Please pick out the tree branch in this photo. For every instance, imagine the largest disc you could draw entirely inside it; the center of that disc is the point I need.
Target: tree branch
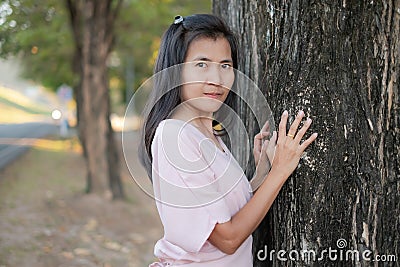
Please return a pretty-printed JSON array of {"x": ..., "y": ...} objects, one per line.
[
  {"x": 114, "y": 13},
  {"x": 75, "y": 17},
  {"x": 111, "y": 17}
]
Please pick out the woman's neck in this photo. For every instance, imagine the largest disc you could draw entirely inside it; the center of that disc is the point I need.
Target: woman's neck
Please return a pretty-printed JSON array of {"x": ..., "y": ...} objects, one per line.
[{"x": 201, "y": 121}]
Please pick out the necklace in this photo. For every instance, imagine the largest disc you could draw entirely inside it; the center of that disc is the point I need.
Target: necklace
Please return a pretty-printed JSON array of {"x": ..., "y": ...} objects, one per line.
[{"x": 210, "y": 136}]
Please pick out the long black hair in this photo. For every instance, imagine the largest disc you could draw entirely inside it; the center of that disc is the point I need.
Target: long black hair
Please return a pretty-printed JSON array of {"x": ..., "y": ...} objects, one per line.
[{"x": 173, "y": 48}]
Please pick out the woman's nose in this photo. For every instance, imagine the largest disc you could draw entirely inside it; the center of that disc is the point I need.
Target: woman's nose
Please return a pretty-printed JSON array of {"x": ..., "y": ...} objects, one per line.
[{"x": 215, "y": 75}]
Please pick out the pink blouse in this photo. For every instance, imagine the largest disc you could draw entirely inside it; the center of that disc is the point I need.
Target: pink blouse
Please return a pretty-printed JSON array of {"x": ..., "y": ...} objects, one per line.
[{"x": 196, "y": 185}]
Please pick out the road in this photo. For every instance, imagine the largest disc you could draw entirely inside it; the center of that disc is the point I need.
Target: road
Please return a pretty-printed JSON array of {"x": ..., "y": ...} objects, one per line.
[{"x": 15, "y": 139}]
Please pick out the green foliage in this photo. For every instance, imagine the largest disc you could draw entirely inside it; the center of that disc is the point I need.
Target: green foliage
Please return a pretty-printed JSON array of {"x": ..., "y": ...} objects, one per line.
[
  {"x": 41, "y": 38},
  {"x": 39, "y": 33}
]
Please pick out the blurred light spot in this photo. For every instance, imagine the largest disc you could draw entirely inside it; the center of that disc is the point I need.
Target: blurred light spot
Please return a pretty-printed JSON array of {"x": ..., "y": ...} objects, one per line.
[
  {"x": 56, "y": 114},
  {"x": 34, "y": 50},
  {"x": 12, "y": 23}
]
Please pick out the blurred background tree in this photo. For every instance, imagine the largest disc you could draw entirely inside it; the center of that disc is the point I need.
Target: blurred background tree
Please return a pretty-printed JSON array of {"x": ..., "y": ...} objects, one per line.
[{"x": 72, "y": 42}]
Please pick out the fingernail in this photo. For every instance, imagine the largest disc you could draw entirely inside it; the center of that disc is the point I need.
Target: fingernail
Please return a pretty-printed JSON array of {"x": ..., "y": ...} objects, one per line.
[
  {"x": 300, "y": 113},
  {"x": 285, "y": 113},
  {"x": 315, "y": 134},
  {"x": 309, "y": 121}
]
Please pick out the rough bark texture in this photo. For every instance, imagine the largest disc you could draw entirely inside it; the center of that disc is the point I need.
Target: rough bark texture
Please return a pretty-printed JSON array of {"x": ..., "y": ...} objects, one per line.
[
  {"x": 339, "y": 62},
  {"x": 92, "y": 25}
]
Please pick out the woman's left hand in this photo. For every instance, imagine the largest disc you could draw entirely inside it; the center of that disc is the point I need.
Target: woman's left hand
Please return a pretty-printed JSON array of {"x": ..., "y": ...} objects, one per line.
[
  {"x": 259, "y": 142},
  {"x": 264, "y": 152}
]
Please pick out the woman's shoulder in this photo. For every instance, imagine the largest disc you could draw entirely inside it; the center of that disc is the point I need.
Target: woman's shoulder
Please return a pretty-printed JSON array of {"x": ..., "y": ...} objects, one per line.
[
  {"x": 175, "y": 128},
  {"x": 173, "y": 131},
  {"x": 175, "y": 139}
]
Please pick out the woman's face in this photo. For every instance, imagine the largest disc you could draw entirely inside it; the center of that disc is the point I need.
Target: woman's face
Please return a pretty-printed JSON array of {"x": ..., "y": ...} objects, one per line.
[{"x": 207, "y": 75}]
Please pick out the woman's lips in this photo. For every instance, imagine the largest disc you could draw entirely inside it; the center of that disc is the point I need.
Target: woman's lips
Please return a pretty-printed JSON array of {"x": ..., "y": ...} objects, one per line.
[{"x": 212, "y": 95}]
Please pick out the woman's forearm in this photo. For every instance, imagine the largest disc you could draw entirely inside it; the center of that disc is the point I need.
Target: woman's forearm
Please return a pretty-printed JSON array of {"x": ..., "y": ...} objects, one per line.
[{"x": 230, "y": 235}]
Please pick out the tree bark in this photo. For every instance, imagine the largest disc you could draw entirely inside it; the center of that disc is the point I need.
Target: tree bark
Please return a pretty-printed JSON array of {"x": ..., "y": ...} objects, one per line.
[
  {"x": 339, "y": 62},
  {"x": 92, "y": 27}
]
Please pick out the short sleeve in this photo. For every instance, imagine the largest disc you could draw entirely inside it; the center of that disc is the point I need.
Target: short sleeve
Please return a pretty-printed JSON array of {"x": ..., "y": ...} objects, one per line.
[{"x": 189, "y": 198}]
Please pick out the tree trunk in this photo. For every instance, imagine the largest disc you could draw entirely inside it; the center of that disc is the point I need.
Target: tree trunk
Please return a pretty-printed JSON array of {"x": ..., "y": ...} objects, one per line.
[
  {"x": 339, "y": 62},
  {"x": 92, "y": 23}
]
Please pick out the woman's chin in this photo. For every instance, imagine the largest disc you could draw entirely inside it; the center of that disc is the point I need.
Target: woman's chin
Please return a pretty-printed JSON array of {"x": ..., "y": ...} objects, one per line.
[
  {"x": 206, "y": 104},
  {"x": 212, "y": 105}
]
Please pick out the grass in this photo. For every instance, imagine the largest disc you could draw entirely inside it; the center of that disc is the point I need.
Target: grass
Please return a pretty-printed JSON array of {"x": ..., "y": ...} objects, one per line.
[
  {"x": 44, "y": 169},
  {"x": 20, "y": 101},
  {"x": 28, "y": 108},
  {"x": 36, "y": 178},
  {"x": 16, "y": 107},
  {"x": 9, "y": 114}
]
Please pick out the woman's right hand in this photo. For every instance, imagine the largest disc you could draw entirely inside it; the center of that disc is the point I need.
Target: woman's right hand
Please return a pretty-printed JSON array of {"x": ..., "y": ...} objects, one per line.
[{"x": 289, "y": 147}]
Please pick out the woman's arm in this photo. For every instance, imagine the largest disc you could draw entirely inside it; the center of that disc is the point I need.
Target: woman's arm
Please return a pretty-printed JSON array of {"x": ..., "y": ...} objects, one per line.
[{"x": 230, "y": 235}]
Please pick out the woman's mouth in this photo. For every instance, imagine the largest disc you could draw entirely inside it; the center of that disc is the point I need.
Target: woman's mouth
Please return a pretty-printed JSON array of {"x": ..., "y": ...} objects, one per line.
[{"x": 213, "y": 95}]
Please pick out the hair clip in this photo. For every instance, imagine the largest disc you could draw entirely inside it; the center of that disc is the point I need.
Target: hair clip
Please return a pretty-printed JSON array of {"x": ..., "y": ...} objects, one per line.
[{"x": 178, "y": 19}]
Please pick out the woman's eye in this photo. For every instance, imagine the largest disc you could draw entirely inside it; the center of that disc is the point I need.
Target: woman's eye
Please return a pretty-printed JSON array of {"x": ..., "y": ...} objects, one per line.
[
  {"x": 226, "y": 66},
  {"x": 201, "y": 65}
]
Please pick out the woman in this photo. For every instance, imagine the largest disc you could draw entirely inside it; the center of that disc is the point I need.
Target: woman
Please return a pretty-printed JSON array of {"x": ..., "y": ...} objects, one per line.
[{"x": 204, "y": 200}]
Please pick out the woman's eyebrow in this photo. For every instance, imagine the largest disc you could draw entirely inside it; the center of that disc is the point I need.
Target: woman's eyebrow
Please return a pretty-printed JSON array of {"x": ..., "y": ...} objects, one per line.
[
  {"x": 227, "y": 61},
  {"x": 201, "y": 58}
]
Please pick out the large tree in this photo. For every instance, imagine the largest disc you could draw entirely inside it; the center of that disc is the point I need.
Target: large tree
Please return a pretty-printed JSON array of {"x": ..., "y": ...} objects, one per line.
[
  {"x": 92, "y": 25},
  {"x": 339, "y": 61}
]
